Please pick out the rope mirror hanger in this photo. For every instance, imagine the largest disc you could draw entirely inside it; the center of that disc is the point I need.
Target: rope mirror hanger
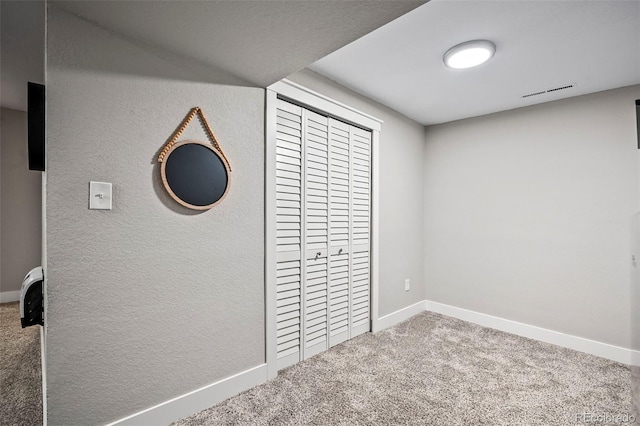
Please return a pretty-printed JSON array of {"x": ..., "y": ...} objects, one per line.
[{"x": 195, "y": 173}]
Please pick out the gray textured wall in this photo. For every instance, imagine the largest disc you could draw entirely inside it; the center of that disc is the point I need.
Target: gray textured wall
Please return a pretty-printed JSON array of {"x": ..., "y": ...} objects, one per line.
[
  {"x": 529, "y": 214},
  {"x": 150, "y": 300},
  {"x": 22, "y": 50},
  {"x": 20, "y": 214},
  {"x": 401, "y": 194},
  {"x": 634, "y": 300}
]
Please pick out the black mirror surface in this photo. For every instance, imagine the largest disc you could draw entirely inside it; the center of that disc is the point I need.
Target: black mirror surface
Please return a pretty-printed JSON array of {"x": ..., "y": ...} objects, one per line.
[{"x": 195, "y": 175}]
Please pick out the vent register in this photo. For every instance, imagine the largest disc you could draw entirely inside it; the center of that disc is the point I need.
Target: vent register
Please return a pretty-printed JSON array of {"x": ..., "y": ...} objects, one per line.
[{"x": 555, "y": 89}]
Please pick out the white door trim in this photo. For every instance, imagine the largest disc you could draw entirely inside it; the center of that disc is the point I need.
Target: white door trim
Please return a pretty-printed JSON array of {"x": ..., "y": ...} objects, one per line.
[
  {"x": 315, "y": 101},
  {"x": 301, "y": 95},
  {"x": 270, "y": 293},
  {"x": 375, "y": 228}
]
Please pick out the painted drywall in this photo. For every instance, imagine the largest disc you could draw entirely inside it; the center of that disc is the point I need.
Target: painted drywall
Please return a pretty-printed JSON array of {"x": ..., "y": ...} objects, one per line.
[
  {"x": 528, "y": 214},
  {"x": 634, "y": 300},
  {"x": 1, "y": 138},
  {"x": 149, "y": 300},
  {"x": 257, "y": 40},
  {"x": 20, "y": 211},
  {"x": 21, "y": 50},
  {"x": 400, "y": 192},
  {"x": 1, "y": 296}
]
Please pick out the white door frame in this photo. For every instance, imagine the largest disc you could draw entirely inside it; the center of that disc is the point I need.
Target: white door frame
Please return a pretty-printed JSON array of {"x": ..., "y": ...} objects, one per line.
[{"x": 315, "y": 101}]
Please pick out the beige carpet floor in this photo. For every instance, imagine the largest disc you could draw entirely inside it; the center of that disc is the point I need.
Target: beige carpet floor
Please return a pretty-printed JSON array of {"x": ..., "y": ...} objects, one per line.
[
  {"x": 430, "y": 370},
  {"x": 435, "y": 370},
  {"x": 20, "y": 370}
]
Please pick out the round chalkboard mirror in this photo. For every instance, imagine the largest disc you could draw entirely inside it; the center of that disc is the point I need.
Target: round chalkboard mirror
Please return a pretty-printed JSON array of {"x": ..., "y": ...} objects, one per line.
[{"x": 195, "y": 174}]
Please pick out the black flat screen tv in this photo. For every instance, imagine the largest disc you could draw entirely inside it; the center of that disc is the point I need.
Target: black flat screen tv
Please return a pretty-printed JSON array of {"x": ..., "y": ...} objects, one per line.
[
  {"x": 638, "y": 120},
  {"x": 35, "y": 125}
]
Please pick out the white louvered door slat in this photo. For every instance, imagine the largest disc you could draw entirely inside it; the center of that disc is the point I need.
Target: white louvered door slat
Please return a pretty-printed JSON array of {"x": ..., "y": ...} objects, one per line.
[
  {"x": 360, "y": 143},
  {"x": 316, "y": 210},
  {"x": 323, "y": 217},
  {"x": 340, "y": 235},
  {"x": 289, "y": 233}
]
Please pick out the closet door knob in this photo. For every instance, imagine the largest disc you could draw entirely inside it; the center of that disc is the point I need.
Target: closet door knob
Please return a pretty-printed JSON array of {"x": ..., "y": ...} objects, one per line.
[{"x": 340, "y": 251}]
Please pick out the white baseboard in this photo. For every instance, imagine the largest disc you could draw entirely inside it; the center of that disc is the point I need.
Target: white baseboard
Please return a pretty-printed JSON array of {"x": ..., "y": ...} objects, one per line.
[
  {"x": 398, "y": 316},
  {"x": 9, "y": 296},
  {"x": 197, "y": 400},
  {"x": 580, "y": 344},
  {"x": 207, "y": 396}
]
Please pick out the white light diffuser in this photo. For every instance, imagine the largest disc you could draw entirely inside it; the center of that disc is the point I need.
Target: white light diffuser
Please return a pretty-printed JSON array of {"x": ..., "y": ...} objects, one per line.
[{"x": 469, "y": 54}]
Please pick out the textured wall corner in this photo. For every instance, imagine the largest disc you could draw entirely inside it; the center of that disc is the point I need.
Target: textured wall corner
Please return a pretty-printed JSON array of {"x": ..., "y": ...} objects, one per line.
[{"x": 150, "y": 300}]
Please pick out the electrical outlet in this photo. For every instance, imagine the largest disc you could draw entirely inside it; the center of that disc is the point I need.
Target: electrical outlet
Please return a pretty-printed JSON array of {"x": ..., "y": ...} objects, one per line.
[{"x": 407, "y": 284}]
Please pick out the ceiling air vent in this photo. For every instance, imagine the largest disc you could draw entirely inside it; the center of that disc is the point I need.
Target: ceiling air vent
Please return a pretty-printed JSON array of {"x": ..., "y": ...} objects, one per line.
[
  {"x": 560, "y": 88},
  {"x": 555, "y": 89},
  {"x": 534, "y": 94}
]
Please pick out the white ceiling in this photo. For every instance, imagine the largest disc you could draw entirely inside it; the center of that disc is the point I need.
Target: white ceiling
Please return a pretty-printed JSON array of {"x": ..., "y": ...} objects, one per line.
[
  {"x": 259, "y": 41},
  {"x": 540, "y": 45}
]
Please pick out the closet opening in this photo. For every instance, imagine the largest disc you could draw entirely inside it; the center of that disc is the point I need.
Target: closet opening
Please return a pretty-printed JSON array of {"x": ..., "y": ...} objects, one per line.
[{"x": 321, "y": 221}]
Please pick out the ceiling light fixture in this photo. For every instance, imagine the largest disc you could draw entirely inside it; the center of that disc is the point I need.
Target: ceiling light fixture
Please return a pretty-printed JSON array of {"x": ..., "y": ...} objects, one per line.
[{"x": 469, "y": 54}]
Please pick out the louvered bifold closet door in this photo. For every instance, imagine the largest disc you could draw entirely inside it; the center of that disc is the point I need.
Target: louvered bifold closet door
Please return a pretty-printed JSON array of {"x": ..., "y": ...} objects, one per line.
[
  {"x": 361, "y": 226},
  {"x": 289, "y": 233},
  {"x": 316, "y": 217},
  {"x": 339, "y": 218}
]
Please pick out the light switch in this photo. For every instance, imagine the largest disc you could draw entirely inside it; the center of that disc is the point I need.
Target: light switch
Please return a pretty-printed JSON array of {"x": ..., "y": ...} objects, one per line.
[{"x": 99, "y": 196}]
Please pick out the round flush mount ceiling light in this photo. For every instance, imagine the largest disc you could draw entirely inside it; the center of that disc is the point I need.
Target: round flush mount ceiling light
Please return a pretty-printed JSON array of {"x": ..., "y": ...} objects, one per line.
[{"x": 469, "y": 54}]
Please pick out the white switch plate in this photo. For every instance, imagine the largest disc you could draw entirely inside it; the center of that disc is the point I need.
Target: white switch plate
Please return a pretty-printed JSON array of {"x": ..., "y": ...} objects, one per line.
[
  {"x": 100, "y": 196},
  {"x": 407, "y": 284}
]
